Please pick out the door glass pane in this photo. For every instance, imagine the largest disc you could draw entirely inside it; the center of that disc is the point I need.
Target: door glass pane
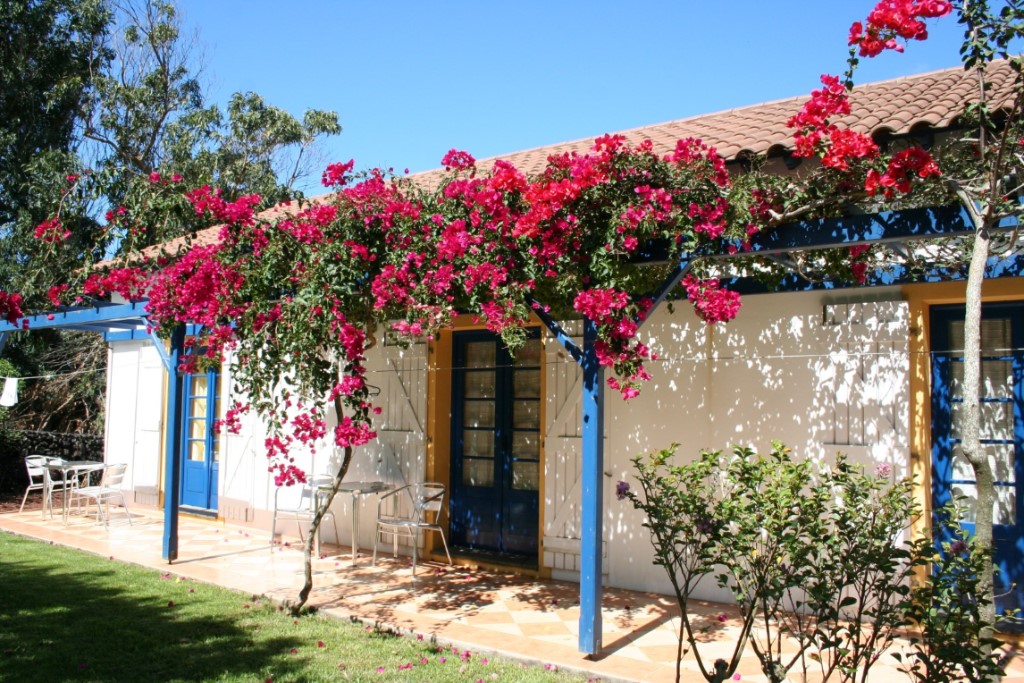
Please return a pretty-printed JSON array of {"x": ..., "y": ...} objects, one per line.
[
  {"x": 525, "y": 445},
  {"x": 996, "y": 421},
  {"x": 529, "y": 354},
  {"x": 1000, "y": 459},
  {"x": 480, "y": 384},
  {"x": 216, "y": 412},
  {"x": 197, "y": 429},
  {"x": 526, "y": 415},
  {"x": 479, "y": 413},
  {"x": 995, "y": 335},
  {"x": 197, "y": 451},
  {"x": 996, "y": 379},
  {"x": 198, "y": 408},
  {"x": 199, "y": 385},
  {"x": 478, "y": 472},
  {"x": 525, "y": 476},
  {"x": 478, "y": 443},
  {"x": 1004, "y": 509},
  {"x": 527, "y": 384},
  {"x": 481, "y": 354}
]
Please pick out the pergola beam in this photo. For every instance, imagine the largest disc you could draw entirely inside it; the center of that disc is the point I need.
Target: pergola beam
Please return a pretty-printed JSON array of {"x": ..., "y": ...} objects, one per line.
[
  {"x": 879, "y": 228},
  {"x": 96, "y": 318}
]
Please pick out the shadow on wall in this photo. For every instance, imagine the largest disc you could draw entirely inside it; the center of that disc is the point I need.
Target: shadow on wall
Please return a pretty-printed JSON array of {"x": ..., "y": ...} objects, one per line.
[{"x": 819, "y": 373}]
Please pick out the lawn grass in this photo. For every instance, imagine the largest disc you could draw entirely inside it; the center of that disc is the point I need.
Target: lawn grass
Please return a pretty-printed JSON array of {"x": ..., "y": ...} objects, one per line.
[{"x": 67, "y": 615}]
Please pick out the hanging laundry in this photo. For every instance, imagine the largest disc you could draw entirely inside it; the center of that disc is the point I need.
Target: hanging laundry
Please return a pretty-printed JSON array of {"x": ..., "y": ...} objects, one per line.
[{"x": 10, "y": 394}]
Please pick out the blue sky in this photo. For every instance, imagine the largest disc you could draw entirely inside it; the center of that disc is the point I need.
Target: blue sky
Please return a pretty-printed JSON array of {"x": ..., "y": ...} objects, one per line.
[{"x": 411, "y": 80}]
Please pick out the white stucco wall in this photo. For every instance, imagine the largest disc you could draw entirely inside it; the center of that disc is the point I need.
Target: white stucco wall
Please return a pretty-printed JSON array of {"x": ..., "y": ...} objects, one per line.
[{"x": 821, "y": 372}]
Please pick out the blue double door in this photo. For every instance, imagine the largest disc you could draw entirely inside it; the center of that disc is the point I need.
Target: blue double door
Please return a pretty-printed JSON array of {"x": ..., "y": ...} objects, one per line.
[
  {"x": 496, "y": 442},
  {"x": 1002, "y": 430},
  {"x": 200, "y": 459}
]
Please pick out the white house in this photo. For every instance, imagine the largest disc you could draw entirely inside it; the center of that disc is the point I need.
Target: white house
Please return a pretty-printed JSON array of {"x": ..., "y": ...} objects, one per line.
[{"x": 823, "y": 370}]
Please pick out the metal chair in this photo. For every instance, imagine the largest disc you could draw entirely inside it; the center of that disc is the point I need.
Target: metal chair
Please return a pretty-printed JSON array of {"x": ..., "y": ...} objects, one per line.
[
  {"x": 303, "y": 509},
  {"x": 108, "y": 489},
  {"x": 394, "y": 518},
  {"x": 39, "y": 480}
]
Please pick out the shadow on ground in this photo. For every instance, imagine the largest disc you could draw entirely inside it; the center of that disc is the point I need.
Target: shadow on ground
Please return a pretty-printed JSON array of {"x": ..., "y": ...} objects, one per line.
[{"x": 63, "y": 620}]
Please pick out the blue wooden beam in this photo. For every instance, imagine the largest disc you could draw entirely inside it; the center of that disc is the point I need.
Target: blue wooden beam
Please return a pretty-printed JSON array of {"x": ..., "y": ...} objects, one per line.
[
  {"x": 172, "y": 454},
  {"x": 592, "y": 495},
  {"x": 997, "y": 267},
  {"x": 3, "y": 341},
  {"x": 171, "y": 366},
  {"x": 876, "y": 228},
  {"x": 561, "y": 335},
  {"x": 140, "y": 334},
  {"x": 95, "y": 317},
  {"x": 670, "y": 283}
]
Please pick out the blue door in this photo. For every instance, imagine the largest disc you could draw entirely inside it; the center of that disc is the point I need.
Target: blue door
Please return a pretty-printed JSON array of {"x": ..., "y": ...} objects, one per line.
[
  {"x": 495, "y": 445},
  {"x": 200, "y": 441},
  {"x": 1002, "y": 429}
]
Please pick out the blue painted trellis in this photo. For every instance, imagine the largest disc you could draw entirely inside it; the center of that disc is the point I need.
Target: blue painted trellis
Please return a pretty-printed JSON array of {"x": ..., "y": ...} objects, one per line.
[
  {"x": 122, "y": 322},
  {"x": 892, "y": 228},
  {"x": 119, "y": 322}
]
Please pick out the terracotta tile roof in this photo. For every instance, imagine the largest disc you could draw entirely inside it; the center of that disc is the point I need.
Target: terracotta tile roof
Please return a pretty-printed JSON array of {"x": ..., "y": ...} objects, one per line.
[{"x": 895, "y": 107}]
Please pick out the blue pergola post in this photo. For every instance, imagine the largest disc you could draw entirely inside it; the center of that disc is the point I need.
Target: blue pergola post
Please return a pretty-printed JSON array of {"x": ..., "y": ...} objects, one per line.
[
  {"x": 172, "y": 456},
  {"x": 592, "y": 494}
]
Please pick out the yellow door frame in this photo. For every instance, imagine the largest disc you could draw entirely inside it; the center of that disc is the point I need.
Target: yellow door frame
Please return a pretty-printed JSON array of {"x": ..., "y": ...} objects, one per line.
[{"x": 439, "y": 401}]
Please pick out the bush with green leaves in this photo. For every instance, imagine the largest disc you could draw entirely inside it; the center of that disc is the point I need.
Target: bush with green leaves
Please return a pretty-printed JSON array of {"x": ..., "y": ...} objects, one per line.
[
  {"x": 815, "y": 558},
  {"x": 950, "y": 640}
]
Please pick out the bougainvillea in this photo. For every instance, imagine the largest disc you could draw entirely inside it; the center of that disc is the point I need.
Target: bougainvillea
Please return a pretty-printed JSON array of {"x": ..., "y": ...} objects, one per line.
[
  {"x": 900, "y": 172},
  {"x": 10, "y": 307},
  {"x": 51, "y": 230},
  {"x": 296, "y": 294},
  {"x": 892, "y": 20}
]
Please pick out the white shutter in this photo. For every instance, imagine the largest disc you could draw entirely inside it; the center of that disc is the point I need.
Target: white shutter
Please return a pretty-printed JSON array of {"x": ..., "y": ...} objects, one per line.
[
  {"x": 401, "y": 375},
  {"x": 562, "y": 460}
]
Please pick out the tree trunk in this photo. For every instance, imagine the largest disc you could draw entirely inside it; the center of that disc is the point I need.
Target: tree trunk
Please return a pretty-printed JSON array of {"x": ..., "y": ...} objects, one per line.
[
  {"x": 970, "y": 424},
  {"x": 314, "y": 525}
]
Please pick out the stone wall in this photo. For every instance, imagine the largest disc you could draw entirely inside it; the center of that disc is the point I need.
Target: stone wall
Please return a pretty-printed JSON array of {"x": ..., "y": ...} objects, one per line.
[
  {"x": 14, "y": 446},
  {"x": 67, "y": 446}
]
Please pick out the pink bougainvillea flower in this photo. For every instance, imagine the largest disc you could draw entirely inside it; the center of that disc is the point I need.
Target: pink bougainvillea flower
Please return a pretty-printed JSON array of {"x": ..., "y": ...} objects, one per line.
[
  {"x": 712, "y": 303},
  {"x": 337, "y": 174},
  {"x": 10, "y": 307},
  {"x": 457, "y": 160},
  {"x": 51, "y": 231},
  {"x": 892, "y": 19}
]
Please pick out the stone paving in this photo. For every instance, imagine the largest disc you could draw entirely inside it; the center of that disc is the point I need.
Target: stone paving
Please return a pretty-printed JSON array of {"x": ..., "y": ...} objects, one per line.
[{"x": 484, "y": 611}]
